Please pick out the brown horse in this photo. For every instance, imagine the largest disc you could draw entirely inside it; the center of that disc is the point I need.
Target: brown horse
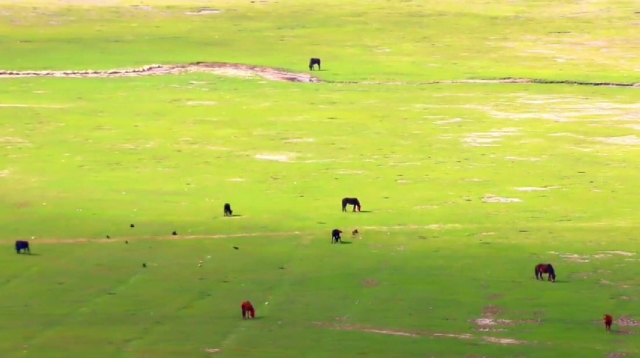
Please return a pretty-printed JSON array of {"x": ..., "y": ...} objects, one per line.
[
  {"x": 545, "y": 268},
  {"x": 351, "y": 201},
  {"x": 314, "y": 61}
]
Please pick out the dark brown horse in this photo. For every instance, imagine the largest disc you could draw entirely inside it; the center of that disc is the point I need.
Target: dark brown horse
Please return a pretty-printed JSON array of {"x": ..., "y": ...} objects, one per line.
[
  {"x": 227, "y": 210},
  {"x": 351, "y": 201},
  {"x": 22, "y": 245},
  {"x": 545, "y": 268},
  {"x": 335, "y": 236},
  {"x": 312, "y": 62}
]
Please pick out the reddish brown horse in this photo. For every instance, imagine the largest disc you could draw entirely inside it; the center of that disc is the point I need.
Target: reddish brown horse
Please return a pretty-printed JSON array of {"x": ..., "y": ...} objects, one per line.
[{"x": 545, "y": 268}]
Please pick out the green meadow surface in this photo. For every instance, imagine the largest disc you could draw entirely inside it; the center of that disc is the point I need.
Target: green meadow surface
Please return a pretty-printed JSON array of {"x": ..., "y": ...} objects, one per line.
[
  {"x": 357, "y": 40},
  {"x": 83, "y": 158}
]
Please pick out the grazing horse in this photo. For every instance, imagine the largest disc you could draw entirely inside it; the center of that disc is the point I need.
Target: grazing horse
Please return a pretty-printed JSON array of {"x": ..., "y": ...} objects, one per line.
[
  {"x": 351, "y": 201},
  {"x": 227, "y": 210},
  {"x": 335, "y": 236},
  {"x": 314, "y": 61},
  {"x": 608, "y": 320},
  {"x": 545, "y": 268},
  {"x": 247, "y": 310},
  {"x": 22, "y": 246}
]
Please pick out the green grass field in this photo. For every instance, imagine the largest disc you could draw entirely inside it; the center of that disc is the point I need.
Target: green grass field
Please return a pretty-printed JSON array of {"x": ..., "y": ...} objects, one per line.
[{"x": 465, "y": 187}]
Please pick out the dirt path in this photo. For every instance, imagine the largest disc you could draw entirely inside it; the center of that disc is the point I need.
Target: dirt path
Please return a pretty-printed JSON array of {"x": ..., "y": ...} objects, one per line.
[
  {"x": 274, "y": 74},
  {"x": 168, "y": 237},
  {"x": 225, "y": 236}
]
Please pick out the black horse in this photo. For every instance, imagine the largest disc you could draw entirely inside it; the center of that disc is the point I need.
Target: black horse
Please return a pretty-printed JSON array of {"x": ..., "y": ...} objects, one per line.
[
  {"x": 22, "y": 246},
  {"x": 314, "y": 61},
  {"x": 351, "y": 201},
  {"x": 335, "y": 236},
  {"x": 545, "y": 268},
  {"x": 227, "y": 210}
]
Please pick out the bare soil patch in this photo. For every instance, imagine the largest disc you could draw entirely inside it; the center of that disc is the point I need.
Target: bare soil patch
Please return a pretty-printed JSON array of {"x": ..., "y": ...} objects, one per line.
[
  {"x": 491, "y": 323},
  {"x": 587, "y": 258},
  {"x": 627, "y": 321},
  {"x": 523, "y": 159},
  {"x": 448, "y": 121},
  {"x": 502, "y": 340},
  {"x": 624, "y": 253},
  {"x": 490, "y": 198},
  {"x": 213, "y": 350},
  {"x": 299, "y": 140},
  {"x": 370, "y": 283},
  {"x": 575, "y": 258},
  {"x": 487, "y": 139},
  {"x": 13, "y": 140},
  {"x": 531, "y": 188},
  {"x": 426, "y": 207},
  {"x": 273, "y": 157},
  {"x": 624, "y": 140},
  {"x": 205, "y": 11},
  {"x": 616, "y": 355},
  {"x": 491, "y": 311}
]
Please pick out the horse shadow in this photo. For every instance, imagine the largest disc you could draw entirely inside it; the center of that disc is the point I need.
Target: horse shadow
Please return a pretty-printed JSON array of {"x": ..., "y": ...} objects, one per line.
[
  {"x": 365, "y": 211},
  {"x": 346, "y": 242},
  {"x": 30, "y": 254}
]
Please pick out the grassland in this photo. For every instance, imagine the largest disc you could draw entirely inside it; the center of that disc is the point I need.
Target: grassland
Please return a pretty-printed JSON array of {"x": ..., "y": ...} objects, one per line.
[{"x": 440, "y": 270}]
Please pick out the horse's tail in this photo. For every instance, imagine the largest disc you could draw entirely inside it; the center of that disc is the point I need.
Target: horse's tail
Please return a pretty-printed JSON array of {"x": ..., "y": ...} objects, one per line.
[{"x": 536, "y": 270}]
